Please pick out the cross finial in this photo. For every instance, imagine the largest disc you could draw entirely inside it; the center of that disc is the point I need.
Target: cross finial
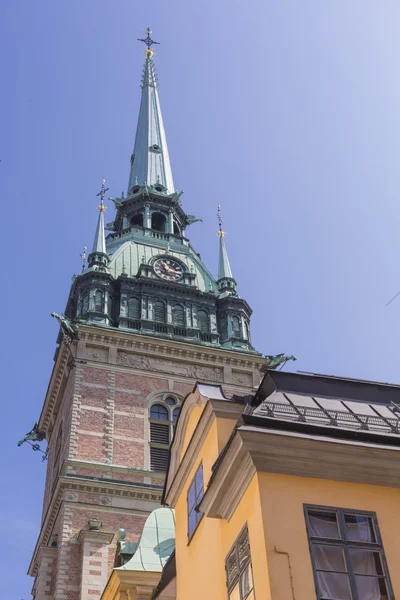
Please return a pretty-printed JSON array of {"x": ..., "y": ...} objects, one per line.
[
  {"x": 221, "y": 232},
  {"x": 149, "y": 42},
  {"x": 101, "y": 193}
]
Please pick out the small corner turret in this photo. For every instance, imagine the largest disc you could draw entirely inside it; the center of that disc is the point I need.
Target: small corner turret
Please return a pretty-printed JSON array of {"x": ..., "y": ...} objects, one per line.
[{"x": 233, "y": 312}]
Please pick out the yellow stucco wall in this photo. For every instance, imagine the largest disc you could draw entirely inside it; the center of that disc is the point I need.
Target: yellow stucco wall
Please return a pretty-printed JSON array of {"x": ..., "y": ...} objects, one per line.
[
  {"x": 201, "y": 562},
  {"x": 282, "y": 499}
]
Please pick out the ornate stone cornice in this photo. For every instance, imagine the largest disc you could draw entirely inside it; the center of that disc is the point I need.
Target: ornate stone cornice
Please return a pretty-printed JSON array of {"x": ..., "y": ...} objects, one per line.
[{"x": 128, "y": 350}]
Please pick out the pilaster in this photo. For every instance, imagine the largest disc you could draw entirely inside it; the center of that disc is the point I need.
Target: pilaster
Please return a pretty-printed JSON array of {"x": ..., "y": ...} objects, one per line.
[{"x": 94, "y": 569}]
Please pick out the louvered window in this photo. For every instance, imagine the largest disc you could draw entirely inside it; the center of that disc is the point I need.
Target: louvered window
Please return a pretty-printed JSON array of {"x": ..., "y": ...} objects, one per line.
[
  {"x": 159, "y": 459},
  {"x": 178, "y": 315},
  {"x": 134, "y": 308},
  {"x": 239, "y": 575},
  {"x": 162, "y": 422},
  {"x": 159, "y": 433},
  {"x": 159, "y": 312},
  {"x": 98, "y": 301},
  {"x": 85, "y": 302},
  {"x": 236, "y": 327},
  {"x": 202, "y": 321}
]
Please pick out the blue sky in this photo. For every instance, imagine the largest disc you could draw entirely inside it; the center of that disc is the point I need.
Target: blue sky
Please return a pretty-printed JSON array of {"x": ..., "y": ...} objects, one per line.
[{"x": 284, "y": 112}]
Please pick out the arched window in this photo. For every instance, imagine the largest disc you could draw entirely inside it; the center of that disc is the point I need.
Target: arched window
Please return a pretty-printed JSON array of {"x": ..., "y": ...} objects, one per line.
[
  {"x": 98, "y": 301},
  {"x": 133, "y": 308},
  {"x": 159, "y": 311},
  {"x": 158, "y": 221},
  {"x": 203, "y": 321},
  {"x": 137, "y": 220},
  {"x": 178, "y": 315},
  {"x": 162, "y": 424},
  {"x": 247, "y": 330},
  {"x": 236, "y": 326},
  {"x": 159, "y": 412},
  {"x": 85, "y": 303}
]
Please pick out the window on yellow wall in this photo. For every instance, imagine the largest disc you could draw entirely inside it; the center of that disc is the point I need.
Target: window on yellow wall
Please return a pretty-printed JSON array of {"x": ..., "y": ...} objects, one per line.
[
  {"x": 239, "y": 575},
  {"x": 194, "y": 496},
  {"x": 347, "y": 554}
]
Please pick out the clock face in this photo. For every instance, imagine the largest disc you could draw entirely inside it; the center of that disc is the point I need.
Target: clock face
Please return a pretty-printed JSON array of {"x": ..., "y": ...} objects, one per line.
[{"x": 168, "y": 269}]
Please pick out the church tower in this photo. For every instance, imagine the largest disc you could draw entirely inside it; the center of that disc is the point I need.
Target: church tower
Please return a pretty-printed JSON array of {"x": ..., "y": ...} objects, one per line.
[{"x": 144, "y": 321}]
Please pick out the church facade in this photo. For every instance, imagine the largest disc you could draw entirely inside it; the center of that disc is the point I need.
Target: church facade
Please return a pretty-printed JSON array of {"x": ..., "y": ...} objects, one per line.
[{"x": 144, "y": 322}]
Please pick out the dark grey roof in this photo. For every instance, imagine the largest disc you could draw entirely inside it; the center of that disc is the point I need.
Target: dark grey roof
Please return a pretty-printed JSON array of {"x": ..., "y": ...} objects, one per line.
[{"x": 328, "y": 406}]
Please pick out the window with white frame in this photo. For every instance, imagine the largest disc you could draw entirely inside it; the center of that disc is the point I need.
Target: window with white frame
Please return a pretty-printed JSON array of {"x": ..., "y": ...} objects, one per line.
[
  {"x": 239, "y": 574},
  {"x": 163, "y": 416},
  {"x": 347, "y": 554}
]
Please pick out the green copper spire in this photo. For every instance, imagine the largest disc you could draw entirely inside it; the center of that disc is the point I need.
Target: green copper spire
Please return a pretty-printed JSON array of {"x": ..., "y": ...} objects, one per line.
[
  {"x": 150, "y": 164},
  {"x": 99, "y": 243}
]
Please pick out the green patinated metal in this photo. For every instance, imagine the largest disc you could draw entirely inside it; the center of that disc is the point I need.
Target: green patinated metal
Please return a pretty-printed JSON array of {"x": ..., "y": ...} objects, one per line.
[
  {"x": 121, "y": 286},
  {"x": 156, "y": 544}
]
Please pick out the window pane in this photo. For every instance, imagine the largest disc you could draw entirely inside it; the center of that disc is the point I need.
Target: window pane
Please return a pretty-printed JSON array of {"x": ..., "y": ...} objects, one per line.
[
  {"x": 329, "y": 558},
  {"x": 170, "y": 401},
  {"x": 192, "y": 522},
  {"x": 371, "y": 588},
  {"x": 175, "y": 414},
  {"x": 199, "y": 481},
  {"x": 366, "y": 562},
  {"x": 244, "y": 549},
  {"x": 334, "y": 586},
  {"x": 235, "y": 594},
  {"x": 191, "y": 498},
  {"x": 232, "y": 567},
  {"x": 157, "y": 411},
  {"x": 323, "y": 524},
  {"x": 246, "y": 581},
  {"x": 359, "y": 528}
]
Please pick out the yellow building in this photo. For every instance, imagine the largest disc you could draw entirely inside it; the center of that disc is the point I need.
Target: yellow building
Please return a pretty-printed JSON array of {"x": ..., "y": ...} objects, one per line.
[{"x": 290, "y": 494}]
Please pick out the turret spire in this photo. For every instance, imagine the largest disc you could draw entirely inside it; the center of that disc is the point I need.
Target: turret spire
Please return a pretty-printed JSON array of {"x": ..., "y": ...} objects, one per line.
[
  {"x": 99, "y": 244},
  {"x": 150, "y": 164},
  {"x": 224, "y": 268}
]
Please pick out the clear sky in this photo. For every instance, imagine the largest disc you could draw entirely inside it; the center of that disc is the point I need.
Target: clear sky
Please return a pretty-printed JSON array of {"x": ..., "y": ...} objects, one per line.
[{"x": 285, "y": 112}]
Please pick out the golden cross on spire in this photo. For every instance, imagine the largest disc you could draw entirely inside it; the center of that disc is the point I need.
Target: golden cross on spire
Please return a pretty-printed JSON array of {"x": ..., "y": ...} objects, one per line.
[
  {"x": 221, "y": 232},
  {"x": 101, "y": 193}
]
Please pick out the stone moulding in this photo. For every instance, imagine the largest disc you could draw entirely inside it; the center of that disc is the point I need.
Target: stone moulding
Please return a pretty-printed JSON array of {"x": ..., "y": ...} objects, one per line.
[
  {"x": 75, "y": 485},
  {"x": 138, "y": 352}
]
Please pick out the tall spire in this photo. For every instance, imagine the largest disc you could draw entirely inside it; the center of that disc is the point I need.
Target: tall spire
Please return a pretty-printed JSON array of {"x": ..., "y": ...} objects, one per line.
[
  {"x": 224, "y": 268},
  {"x": 98, "y": 256},
  {"x": 150, "y": 159},
  {"x": 225, "y": 281},
  {"x": 99, "y": 243}
]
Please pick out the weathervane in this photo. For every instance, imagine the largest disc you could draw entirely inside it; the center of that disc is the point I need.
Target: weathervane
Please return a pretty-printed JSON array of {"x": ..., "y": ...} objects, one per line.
[
  {"x": 149, "y": 42},
  {"x": 101, "y": 193},
  {"x": 221, "y": 232}
]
